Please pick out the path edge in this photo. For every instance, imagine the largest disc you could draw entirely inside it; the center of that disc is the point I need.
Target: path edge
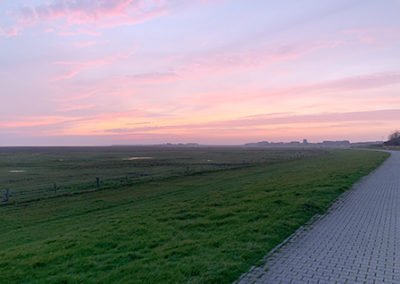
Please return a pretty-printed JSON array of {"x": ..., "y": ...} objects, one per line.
[{"x": 336, "y": 203}]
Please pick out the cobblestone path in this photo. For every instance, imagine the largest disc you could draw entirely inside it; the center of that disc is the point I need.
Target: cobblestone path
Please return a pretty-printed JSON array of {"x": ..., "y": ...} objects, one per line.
[{"x": 357, "y": 241}]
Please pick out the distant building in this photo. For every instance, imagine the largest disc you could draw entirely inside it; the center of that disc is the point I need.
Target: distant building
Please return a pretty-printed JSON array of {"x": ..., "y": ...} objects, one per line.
[{"x": 331, "y": 144}]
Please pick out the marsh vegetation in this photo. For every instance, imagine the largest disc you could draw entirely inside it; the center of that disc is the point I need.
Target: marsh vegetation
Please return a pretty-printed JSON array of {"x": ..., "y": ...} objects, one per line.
[{"x": 207, "y": 225}]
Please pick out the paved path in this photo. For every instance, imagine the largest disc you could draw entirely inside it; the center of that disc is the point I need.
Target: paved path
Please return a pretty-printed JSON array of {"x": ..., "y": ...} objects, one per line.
[{"x": 358, "y": 241}]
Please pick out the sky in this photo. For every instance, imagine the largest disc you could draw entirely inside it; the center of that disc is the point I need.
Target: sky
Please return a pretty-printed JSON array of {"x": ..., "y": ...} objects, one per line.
[{"x": 103, "y": 72}]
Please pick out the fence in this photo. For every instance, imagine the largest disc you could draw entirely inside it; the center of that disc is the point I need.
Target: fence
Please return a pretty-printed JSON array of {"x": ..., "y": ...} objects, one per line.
[{"x": 54, "y": 189}]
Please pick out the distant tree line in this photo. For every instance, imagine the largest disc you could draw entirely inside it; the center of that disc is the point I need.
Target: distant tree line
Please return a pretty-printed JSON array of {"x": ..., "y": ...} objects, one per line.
[{"x": 394, "y": 139}]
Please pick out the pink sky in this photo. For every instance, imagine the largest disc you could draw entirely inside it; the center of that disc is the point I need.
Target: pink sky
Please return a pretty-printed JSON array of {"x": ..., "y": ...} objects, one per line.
[{"x": 101, "y": 72}]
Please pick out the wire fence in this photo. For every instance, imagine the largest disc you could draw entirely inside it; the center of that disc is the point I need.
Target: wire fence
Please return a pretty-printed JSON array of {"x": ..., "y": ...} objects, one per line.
[{"x": 99, "y": 182}]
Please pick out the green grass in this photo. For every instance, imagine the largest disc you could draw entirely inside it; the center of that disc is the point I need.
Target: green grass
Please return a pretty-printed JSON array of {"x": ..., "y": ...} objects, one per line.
[
  {"x": 202, "y": 228},
  {"x": 75, "y": 169}
]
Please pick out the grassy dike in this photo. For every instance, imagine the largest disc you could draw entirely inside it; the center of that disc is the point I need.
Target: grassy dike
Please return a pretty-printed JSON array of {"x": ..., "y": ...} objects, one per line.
[{"x": 207, "y": 228}]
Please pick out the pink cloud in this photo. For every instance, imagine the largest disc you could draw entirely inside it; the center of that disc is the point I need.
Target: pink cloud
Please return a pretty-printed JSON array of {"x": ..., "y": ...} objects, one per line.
[
  {"x": 75, "y": 107},
  {"x": 363, "y": 35},
  {"x": 70, "y": 124},
  {"x": 96, "y": 13},
  {"x": 269, "y": 120},
  {"x": 339, "y": 86},
  {"x": 224, "y": 61},
  {"x": 75, "y": 11},
  {"x": 150, "y": 78},
  {"x": 130, "y": 114},
  {"x": 66, "y": 31},
  {"x": 221, "y": 61},
  {"x": 344, "y": 85},
  {"x": 228, "y": 96},
  {"x": 83, "y": 44},
  {"x": 74, "y": 97},
  {"x": 9, "y": 31},
  {"x": 72, "y": 68},
  {"x": 277, "y": 125},
  {"x": 374, "y": 36},
  {"x": 32, "y": 121},
  {"x": 262, "y": 56},
  {"x": 99, "y": 13},
  {"x": 369, "y": 81}
]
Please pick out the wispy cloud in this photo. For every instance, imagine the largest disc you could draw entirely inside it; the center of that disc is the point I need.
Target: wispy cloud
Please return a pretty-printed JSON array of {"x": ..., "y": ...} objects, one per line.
[
  {"x": 268, "y": 120},
  {"x": 71, "y": 123},
  {"x": 9, "y": 31},
  {"x": 338, "y": 86},
  {"x": 75, "y": 107},
  {"x": 73, "y": 11},
  {"x": 74, "y": 97},
  {"x": 74, "y": 14},
  {"x": 225, "y": 61},
  {"x": 83, "y": 44},
  {"x": 35, "y": 121},
  {"x": 372, "y": 35},
  {"x": 155, "y": 77},
  {"x": 368, "y": 81},
  {"x": 72, "y": 68},
  {"x": 277, "y": 125},
  {"x": 248, "y": 58},
  {"x": 346, "y": 84}
]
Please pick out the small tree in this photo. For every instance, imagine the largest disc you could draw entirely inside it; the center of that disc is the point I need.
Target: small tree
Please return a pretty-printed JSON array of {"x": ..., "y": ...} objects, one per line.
[
  {"x": 395, "y": 135},
  {"x": 394, "y": 139}
]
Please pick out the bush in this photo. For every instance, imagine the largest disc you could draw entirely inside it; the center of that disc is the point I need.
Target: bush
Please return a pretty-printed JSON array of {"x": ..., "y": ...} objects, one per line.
[{"x": 394, "y": 139}]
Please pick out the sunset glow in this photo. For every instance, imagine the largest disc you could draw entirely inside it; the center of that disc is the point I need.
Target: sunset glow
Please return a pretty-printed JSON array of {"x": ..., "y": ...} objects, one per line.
[{"x": 102, "y": 72}]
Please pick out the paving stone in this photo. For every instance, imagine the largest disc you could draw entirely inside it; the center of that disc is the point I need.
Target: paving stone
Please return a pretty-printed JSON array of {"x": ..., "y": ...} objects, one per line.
[{"x": 357, "y": 241}]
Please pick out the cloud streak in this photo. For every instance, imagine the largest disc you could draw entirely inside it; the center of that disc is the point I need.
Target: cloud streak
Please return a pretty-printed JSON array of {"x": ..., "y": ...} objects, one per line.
[
  {"x": 151, "y": 78},
  {"x": 267, "y": 120},
  {"x": 226, "y": 61},
  {"x": 338, "y": 86},
  {"x": 265, "y": 125},
  {"x": 70, "y": 15},
  {"x": 86, "y": 11},
  {"x": 362, "y": 82},
  {"x": 73, "y": 68},
  {"x": 92, "y": 14},
  {"x": 84, "y": 44}
]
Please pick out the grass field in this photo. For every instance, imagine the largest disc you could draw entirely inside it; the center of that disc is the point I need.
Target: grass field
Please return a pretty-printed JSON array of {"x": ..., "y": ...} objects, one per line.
[
  {"x": 32, "y": 173},
  {"x": 198, "y": 227}
]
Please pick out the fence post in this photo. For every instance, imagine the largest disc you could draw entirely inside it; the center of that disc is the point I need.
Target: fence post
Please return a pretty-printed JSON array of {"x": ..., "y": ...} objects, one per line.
[
  {"x": 55, "y": 188},
  {"x": 97, "y": 181},
  {"x": 6, "y": 194}
]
